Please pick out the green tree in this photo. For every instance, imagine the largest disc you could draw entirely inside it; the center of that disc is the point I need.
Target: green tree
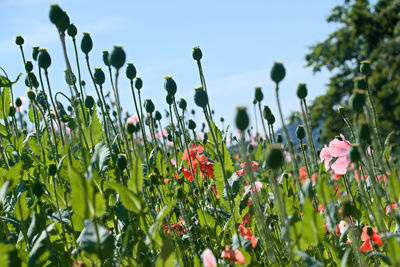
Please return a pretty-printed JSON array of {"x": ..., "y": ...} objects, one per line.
[{"x": 366, "y": 31}]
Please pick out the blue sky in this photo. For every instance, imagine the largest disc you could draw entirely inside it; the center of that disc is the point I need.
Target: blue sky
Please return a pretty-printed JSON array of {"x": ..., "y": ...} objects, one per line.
[{"x": 240, "y": 41}]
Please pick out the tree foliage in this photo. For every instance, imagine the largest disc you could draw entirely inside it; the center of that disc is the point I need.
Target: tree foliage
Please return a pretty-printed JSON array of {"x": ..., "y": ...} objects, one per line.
[{"x": 367, "y": 30}]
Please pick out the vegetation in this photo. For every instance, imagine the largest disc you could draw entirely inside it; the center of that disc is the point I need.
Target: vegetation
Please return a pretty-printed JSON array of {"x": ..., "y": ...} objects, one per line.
[{"x": 87, "y": 185}]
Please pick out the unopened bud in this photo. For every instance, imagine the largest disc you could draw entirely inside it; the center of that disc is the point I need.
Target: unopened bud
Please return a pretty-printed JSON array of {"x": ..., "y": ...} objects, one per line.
[{"x": 19, "y": 40}]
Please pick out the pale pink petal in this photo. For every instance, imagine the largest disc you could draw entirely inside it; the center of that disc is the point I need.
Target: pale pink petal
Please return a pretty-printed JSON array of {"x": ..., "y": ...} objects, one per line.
[
  {"x": 208, "y": 258},
  {"x": 164, "y": 133},
  {"x": 340, "y": 166},
  {"x": 339, "y": 148},
  {"x": 133, "y": 119},
  {"x": 326, "y": 157}
]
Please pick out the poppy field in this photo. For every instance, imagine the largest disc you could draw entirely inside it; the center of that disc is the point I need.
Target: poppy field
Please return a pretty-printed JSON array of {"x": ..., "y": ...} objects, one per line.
[{"x": 83, "y": 183}]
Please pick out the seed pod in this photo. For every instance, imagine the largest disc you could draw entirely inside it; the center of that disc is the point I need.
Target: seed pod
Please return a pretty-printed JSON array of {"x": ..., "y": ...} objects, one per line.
[
  {"x": 70, "y": 78},
  {"x": 170, "y": 85},
  {"x": 130, "y": 128},
  {"x": 105, "y": 58},
  {"x": 274, "y": 157},
  {"x": 169, "y": 137},
  {"x": 31, "y": 80},
  {"x": 71, "y": 123},
  {"x": 117, "y": 57},
  {"x": 266, "y": 112},
  {"x": 279, "y": 138},
  {"x": 19, "y": 40},
  {"x": 72, "y": 31},
  {"x": 86, "y": 43},
  {"x": 301, "y": 91},
  {"x": 52, "y": 169},
  {"x": 121, "y": 162},
  {"x": 169, "y": 99},
  {"x": 300, "y": 132},
  {"x": 98, "y": 76},
  {"x": 191, "y": 124},
  {"x": 130, "y": 71},
  {"x": 157, "y": 115},
  {"x": 342, "y": 111},
  {"x": 18, "y": 102},
  {"x": 149, "y": 106},
  {"x": 360, "y": 83},
  {"x": 180, "y": 194},
  {"x": 258, "y": 95},
  {"x": 56, "y": 14},
  {"x": 35, "y": 52},
  {"x": 182, "y": 103},
  {"x": 154, "y": 178},
  {"x": 44, "y": 59},
  {"x": 11, "y": 111},
  {"x": 89, "y": 102},
  {"x": 271, "y": 119},
  {"x": 242, "y": 118},
  {"x": 354, "y": 153},
  {"x": 365, "y": 67},
  {"x": 41, "y": 98},
  {"x": 31, "y": 95},
  {"x": 64, "y": 24},
  {"x": 278, "y": 72},
  {"x": 200, "y": 97},
  {"x": 28, "y": 66},
  {"x": 197, "y": 54},
  {"x": 138, "y": 83},
  {"x": 357, "y": 100},
  {"x": 364, "y": 133},
  {"x": 37, "y": 189}
]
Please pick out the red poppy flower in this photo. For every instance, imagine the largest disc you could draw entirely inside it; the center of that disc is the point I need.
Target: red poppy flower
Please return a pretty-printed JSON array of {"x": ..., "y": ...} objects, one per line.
[{"x": 368, "y": 239}]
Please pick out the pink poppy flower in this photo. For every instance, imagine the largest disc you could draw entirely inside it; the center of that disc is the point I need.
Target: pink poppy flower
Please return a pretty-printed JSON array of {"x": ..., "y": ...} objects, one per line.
[
  {"x": 208, "y": 258},
  {"x": 340, "y": 150}
]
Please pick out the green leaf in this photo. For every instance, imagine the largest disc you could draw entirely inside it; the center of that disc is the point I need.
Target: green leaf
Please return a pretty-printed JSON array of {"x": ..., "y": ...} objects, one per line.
[
  {"x": 325, "y": 193},
  {"x": 21, "y": 207},
  {"x": 128, "y": 198},
  {"x": 394, "y": 251},
  {"x": 94, "y": 131},
  {"x": 135, "y": 182},
  {"x": 153, "y": 235},
  {"x": 5, "y": 102},
  {"x": 39, "y": 247},
  {"x": 206, "y": 219},
  {"x": 166, "y": 257},
  {"x": 313, "y": 225},
  {"x": 97, "y": 240}
]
